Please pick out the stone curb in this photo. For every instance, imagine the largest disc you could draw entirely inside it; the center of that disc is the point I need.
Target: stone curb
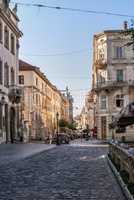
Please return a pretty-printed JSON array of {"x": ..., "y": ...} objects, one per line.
[{"x": 120, "y": 180}]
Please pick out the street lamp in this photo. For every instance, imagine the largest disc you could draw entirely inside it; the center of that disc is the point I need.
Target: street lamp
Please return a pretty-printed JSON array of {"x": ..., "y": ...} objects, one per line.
[{"x": 57, "y": 118}]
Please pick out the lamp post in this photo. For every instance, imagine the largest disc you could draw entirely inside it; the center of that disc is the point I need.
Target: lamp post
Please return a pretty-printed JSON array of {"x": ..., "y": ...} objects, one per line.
[{"x": 57, "y": 119}]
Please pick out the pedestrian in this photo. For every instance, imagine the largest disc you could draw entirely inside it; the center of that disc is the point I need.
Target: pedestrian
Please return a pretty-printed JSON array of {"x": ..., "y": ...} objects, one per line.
[{"x": 50, "y": 138}]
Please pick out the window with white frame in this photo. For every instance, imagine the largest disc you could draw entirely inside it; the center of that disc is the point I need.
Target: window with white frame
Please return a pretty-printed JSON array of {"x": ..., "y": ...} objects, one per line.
[
  {"x": 103, "y": 102},
  {"x": 21, "y": 79},
  {"x": 119, "y": 75},
  {"x": 118, "y": 52},
  {"x": 119, "y": 100}
]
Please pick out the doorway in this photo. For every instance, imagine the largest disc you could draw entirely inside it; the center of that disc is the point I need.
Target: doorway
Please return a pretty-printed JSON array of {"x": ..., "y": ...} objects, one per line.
[
  {"x": 103, "y": 127},
  {"x": 6, "y": 122},
  {"x": 12, "y": 124}
]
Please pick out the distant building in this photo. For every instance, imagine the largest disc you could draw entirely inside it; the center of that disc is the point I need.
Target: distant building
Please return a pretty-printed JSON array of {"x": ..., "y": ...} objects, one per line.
[
  {"x": 41, "y": 103},
  {"x": 86, "y": 119},
  {"x": 113, "y": 78},
  {"x": 10, "y": 94}
]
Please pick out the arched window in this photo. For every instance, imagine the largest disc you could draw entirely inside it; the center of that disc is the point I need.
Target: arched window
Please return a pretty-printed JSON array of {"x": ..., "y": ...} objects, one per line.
[
  {"x": 6, "y": 75},
  {"x": 12, "y": 44},
  {"x": 12, "y": 76},
  {"x": 6, "y": 37},
  {"x": 1, "y": 31}
]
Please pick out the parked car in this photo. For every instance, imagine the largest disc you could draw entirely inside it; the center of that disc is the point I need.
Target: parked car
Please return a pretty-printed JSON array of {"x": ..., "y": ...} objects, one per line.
[{"x": 63, "y": 138}]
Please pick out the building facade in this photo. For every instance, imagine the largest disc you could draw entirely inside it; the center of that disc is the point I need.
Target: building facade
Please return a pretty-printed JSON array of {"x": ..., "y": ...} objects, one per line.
[
  {"x": 41, "y": 104},
  {"x": 10, "y": 94},
  {"x": 113, "y": 77}
]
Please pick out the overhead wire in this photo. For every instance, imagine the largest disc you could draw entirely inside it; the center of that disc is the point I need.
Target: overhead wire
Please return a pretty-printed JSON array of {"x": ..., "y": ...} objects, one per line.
[
  {"x": 72, "y": 9},
  {"x": 59, "y": 54}
]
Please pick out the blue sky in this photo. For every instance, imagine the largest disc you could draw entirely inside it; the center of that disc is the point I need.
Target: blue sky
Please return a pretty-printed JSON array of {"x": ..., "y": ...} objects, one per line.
[{"x": 51, "y": 32}]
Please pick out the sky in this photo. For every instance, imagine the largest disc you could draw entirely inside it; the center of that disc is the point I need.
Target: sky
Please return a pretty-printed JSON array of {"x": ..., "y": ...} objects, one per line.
[{"x": 60, "y": 42}]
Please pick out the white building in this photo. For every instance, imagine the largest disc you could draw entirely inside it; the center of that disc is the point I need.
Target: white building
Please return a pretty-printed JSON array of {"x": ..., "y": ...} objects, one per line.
[
  {"x": 113, "y": 77},
  {"x": 9, "y": 93}
]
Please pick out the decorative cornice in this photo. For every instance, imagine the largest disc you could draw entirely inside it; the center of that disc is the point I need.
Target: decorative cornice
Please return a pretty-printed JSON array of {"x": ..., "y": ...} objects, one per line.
[{"x": 10, "y": 23}]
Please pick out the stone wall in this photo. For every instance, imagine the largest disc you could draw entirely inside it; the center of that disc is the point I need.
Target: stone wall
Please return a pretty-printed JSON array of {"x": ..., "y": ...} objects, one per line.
[{"x": 123, "y": 159}]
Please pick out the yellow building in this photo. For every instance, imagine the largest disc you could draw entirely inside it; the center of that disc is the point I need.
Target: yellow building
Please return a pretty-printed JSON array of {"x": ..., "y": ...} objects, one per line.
[{"x": 41, "y": 103}]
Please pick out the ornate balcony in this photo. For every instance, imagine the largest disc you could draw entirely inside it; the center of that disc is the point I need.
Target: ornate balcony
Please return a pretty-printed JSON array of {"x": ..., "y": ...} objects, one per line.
[
  {"x": 15, "y": 94},
  {"x": 101, "y": 64},
  {"x": 110, "y": 85}
]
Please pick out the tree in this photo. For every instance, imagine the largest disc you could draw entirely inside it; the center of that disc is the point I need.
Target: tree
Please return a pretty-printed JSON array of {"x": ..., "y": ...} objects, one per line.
[{"x": 63, "y": 123}]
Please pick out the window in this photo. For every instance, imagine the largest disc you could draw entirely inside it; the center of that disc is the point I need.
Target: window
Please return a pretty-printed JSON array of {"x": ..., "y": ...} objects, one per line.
[
  {"x": 36, "y": 81},
  {"x": 21, "y": 79},
  {"x": 101, "y": 54},
  {"x": 103, "y": 102},
  {"x": 119, "y": 101},
  {"x": 1, "y": 72},
  {"x": 36, "y": 99},
  {"x": 12, "y": 76},
  {"x": 119, "y": 75},
  {"x": 6, "y": 38},
  {"x": 1, "y": 32},
  {"x": 118, "y": 52},
  {"x": 12, "y": 44},
  {"x": 6, "y": 75}
]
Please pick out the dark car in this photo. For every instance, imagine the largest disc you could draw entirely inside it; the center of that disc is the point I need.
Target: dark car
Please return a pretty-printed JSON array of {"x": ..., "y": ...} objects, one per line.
[{"x": 63, "y": 138}]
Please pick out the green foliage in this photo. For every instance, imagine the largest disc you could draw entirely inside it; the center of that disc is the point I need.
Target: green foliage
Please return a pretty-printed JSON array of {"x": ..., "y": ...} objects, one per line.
[
  {"x": 63, "y": 123},
  {"x": 72, "y": 126}
]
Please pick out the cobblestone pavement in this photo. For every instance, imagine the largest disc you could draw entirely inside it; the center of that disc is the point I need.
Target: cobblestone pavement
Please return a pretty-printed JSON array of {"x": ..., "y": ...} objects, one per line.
[
  {"x": 14, "y": 152},
  {"x": 63, "y": 173}
]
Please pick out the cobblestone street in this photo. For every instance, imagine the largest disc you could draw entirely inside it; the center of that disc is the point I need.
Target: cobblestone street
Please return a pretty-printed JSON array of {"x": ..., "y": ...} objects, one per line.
[{"x": 77, "y": 171}]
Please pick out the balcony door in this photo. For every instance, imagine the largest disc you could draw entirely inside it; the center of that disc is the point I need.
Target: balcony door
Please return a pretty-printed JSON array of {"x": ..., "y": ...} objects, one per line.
[{"x": 119, "y": 75}]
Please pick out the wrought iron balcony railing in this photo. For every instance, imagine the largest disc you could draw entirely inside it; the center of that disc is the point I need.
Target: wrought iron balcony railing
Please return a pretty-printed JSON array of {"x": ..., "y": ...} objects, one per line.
[
  {"x": 101, "y": 63},
  {"x": 15, "y": 94},
  {"x": 112, "y": 85}
]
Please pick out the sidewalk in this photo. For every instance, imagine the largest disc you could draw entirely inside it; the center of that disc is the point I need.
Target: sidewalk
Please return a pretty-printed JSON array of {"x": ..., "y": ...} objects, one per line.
[
  {"x": 90, "y": 143},
  {"x": 12, "y": 152}
]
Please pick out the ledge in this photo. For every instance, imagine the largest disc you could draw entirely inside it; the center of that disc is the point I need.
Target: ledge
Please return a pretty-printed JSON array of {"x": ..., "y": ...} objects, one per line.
[{"x": 120, "y": 180}]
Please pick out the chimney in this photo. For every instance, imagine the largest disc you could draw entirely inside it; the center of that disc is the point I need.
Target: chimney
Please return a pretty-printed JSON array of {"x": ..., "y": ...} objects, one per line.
[{"x": 125, "y": 24}]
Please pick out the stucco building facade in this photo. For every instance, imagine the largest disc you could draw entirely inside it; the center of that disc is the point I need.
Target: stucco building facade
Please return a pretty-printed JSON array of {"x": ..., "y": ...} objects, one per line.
[
  {"x": 40, "y": 104},
  {"x": 10, "y": 94},
  {"x": 113, "y": 78}
]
